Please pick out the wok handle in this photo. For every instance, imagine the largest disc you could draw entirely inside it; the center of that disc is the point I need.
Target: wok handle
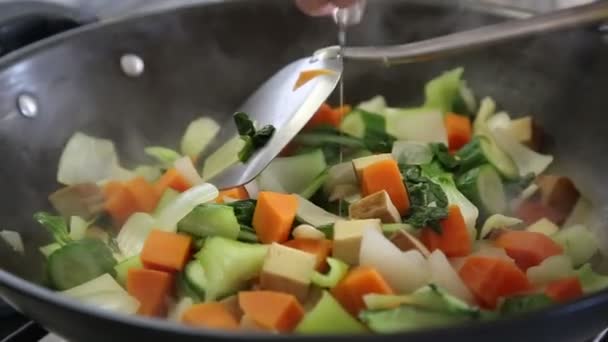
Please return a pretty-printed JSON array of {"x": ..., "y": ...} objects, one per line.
[
  {"x": 483, "y": 36},
  {"x": 25, "y": 22}
]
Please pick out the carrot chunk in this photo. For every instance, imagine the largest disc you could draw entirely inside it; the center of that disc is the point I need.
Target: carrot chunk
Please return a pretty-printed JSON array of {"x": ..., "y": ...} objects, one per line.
[
  {"x": 151, "y": 288},
  {"x": 166, "y": 251},
  {"x": 271, "y": 310},
  {"x": 320, "y": 248},
  {"x": 120, "y": 203},
  {"x": 459, "y": 130},
  {"x": 564, "y": 290},
  {"x": 274, "y": 215},
  {"x": 172, "y": 179},
  {"x": 213, "y": 315},
  {"x": 454, "y": 240},
  {"x": 491, "y": 278},
  {"x": 238, "y": 193},
  {"x": 527, "y": 248},
  {"x": 327, "y": 115},
  {"x": 145, "y": 194},
  {"x": 358, "y": 282},
  {"x": 385, "y": 175}
]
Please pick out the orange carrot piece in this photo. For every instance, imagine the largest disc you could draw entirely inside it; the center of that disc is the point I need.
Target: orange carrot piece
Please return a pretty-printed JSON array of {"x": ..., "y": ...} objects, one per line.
[
  {"x": 454, "y": 240},
  {"x": 385, "y": 175},
  {"x": 320, "y": 248},
  {"x": 271, "y": 310},
  {"x": 274, "y": 215},
  {"x": 527, "y": 248},
  {"x": 307, "y": 75},
  {"x": 327, "y": 115},
  {"x": 459, "y": 130},
  {"x": 564, "y": 290},
  {"x": 166, "y": 251},
  {"x": 151, "y": 288},
  {"x": 239, "y": 193},
  {"x": 145, "y": 195},
  {"x": 359, "y": 282},
  {"x": 491, "y": 278},
  {"x": 172, "y": 179},
  {"x": 212, "y": 315},
  {"x": 120, "y": 203}
]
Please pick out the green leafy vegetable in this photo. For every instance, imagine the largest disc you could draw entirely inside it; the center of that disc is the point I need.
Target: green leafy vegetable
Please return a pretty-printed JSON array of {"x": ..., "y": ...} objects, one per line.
[
  {"x": 428, "y": 202},
  {"x": 408, "y": 318},
  {"x": 248, "y": 149},
  {"x": 441, "y": 152},
  {"x": 524, "y": 303},
  {"x": 244, "y": 125},
  {"x": 445, "y": 180},
  {"x": 262, "y": 136},
  {"x": 56, "y": 225},
  {"x": 253, "y": 139},
  {"x": 243, "y": 210}
]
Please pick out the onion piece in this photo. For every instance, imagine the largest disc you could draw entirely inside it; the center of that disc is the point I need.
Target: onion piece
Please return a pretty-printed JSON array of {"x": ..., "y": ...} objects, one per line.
[
  {"x": 185, "y": 167},
  {"x": 13, "y": 239},
  {"x": 170, "y": 215},
  {"x": 134, "y": 233}
]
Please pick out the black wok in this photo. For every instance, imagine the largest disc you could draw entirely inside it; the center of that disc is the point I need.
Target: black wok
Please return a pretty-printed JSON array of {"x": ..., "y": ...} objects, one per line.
[{"x": 206, "y": 59}]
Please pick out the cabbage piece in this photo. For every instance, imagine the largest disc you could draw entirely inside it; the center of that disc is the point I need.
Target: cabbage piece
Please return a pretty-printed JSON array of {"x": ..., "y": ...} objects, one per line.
[
  {"x": 553, "y": 268},
  {"x": 497, "y": 221},
  {"x": 314, "y": 215},
  {"x": 105, "y": 293},
  {"x": 418, "y": 124},
  {"x": 185, "y": 167},
  {"x": 527, "y": 160},
  {"x": 198, "y": 135},
  {"x": 442, "y": 91},
  {"x": 164, "y": 156},
  {"x": 412, "y": 152},
  {"x": 170, "y": 215},
  {"x": 78, "y": 228},
  {"x": 13, "y": 239},
  {"x": 134, "y": 233},
  {"x": 292, "y": 174},
  {"x": 87, "y": 159},
  {"x": 590, "y": 280},
  {"x": 578, "y": 242},
  {"x": 376, "y": 105},
  {"x": 177, "y": 310},
  {"x": 405, "y": 272},
  {"x": 446, "y": 277},
  {"x": 337, "y": 271}
]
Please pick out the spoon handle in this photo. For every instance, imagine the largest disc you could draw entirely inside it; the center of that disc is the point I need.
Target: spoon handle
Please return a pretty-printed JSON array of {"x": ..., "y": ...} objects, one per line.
[{"x": 483, "y": 36}]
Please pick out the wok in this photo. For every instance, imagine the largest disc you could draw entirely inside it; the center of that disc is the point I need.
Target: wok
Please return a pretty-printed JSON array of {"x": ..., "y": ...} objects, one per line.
[{"x": 207, "y": 59}]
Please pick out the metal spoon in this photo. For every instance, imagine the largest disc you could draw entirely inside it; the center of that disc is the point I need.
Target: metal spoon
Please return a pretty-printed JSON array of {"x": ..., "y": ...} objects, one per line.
[
  {"x": 483, "y": 36},
  {"x": 276, "y": 103}
]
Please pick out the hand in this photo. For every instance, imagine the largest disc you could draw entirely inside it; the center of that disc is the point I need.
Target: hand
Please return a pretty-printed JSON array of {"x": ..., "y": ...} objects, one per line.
[{"x": 322, "y": 7}]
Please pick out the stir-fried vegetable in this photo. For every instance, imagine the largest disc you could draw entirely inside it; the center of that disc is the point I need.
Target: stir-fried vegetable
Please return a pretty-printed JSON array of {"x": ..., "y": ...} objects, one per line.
[{"x": 375, "y": 218}]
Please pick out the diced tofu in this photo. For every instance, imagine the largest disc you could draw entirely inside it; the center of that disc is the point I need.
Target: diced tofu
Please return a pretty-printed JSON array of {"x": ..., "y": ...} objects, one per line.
[
  {"x": 526, "y": 131},
  {"x": 544, "y": 226},
  {"x": 361, "y": 163},
  {"x": 347, "y": 238},
  {"x": 84, "y": 200},
  {"x": 558, "y": 193},
  {"x": 377, "y": 205},
  {"x": 287, "y": 270},
  {"x": 406, "y": 242}
]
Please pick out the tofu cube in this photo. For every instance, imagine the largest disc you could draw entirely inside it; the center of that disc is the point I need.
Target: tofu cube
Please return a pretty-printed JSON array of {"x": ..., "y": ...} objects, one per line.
[
  {"x": 347, "y": 238},
  {"x": 558, "y": 193},
  {"x": 407, "y": 242},
  {"x": 361, "y": 163},
  {"x": 543, "y": 226},
  {"x": 526, "y": 131},
  {"x": 377, "y": 205},
  {"x": 287, "y": 270}
]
